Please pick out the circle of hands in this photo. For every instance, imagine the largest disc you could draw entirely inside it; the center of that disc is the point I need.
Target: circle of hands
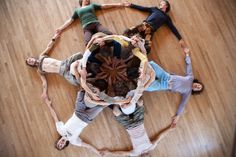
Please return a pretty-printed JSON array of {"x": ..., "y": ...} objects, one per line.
[{"x": 113, "y": 70}]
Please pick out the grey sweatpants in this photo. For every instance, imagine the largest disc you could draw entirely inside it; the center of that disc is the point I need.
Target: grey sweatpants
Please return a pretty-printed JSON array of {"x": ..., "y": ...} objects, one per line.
[
  {"x": 65, "y": 68},
  {"x": 85, "y": 113}
]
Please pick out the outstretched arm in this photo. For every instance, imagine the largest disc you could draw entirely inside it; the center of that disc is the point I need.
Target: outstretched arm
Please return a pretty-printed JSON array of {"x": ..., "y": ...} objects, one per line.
[
  {"x": 115, "y": 153},
  {"x": 111, "y": 5},
  {"x": 152, "y": 77},
  {"x": 50, "y": 45},
  {"x": 160, "y": 137},
  {"x": 97, "y": 102},
  {"x": 139, "y": 7},
  {"x": 64, "y": 26},
  {"x": 45, "y": 98},
  {"x": 88, "y": 90},
  {"x": 173, "y": 29},
  {"x": 90, "y": 147},
  {"x": 189, "y": 70}
]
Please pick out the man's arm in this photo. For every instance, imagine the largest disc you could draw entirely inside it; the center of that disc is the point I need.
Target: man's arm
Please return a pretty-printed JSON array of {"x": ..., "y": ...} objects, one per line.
[
  {"x": 160, "y": 137},
  {"x": 138, "y": 7},
  {"x": 173, "y": 28},
  {"x": 50, "y": 45},
  {"x": 90, "y": 147}
]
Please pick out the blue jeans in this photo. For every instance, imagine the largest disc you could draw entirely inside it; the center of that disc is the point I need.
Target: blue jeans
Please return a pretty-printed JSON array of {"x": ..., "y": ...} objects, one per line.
[{"x": 161, "y": 80}]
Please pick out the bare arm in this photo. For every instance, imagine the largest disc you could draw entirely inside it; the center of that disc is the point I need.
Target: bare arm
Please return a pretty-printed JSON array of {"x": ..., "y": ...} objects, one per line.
[
  {"x": 64, "y": 26},
  {"x": 115, "y": 153},
  {"x": 50, "y": 45},
  {"x": 46, "y": 100},
  {"x": 152, "y": 78},
  {"x": 90, "y": 147},
  {"x": 160, "y": 137},
  {"x": 88, "y": 90},
  {"x": 98, "y": 102},
  {"x": 111, "y": 5}
]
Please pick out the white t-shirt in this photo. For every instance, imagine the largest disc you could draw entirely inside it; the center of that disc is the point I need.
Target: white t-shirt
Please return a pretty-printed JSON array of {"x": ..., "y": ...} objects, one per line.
[{"x": 71, "y": 129}]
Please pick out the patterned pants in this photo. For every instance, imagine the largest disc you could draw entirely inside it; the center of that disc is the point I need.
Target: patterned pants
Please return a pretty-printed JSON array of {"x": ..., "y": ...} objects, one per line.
[{"x": 144, "y": 30}]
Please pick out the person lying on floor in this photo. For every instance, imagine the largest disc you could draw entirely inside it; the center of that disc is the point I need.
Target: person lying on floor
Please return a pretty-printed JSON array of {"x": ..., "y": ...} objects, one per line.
[
  {"x": 157, "y": 17},
  {"x": 88, "y": 18},
  {"x": 66, "y": 68},
  {"x": 185, "y": 85},
  {"x": 134, "y": 125},
  {"x": 82, "y": 116}
]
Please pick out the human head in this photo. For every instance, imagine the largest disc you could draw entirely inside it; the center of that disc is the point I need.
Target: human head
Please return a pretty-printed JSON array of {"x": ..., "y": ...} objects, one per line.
[
  {"x": 164, "y": 6},
  {"x": 31, "y": 61},
  {"x": 84, "y": 2},
  {"x": 120, "y": 89},
  {"x": 101, "y": 84},
  {"x": 197, "y": 87},
  {"x": 61, "y": 143},
  {"x": 132, "y": 72},
  {"x": 93, "y": 68}
]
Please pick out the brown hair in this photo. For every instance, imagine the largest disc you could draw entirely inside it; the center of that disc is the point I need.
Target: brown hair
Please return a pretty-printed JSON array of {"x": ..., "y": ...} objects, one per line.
[
  {"x": 26, "y": 62},
  {"x": 167, "y": 5},
  {"x": 67, "y": 143},
  {"x": 197, "y": 92}
]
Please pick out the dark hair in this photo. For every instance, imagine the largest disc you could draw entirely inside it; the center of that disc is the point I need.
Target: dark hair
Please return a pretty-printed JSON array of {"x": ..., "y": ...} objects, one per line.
[
  {"x": 93, "y": 68},
  {"x": 80, "y": 2},
  {"x": 35, "y": 65},
  {"x": 120, "y": 89},
  {"x": 132, "y": 72},
  {"x": 101, "y": 84},
  {"x": 67, "y": 143},
  {"x": 197, "y": 92},
  {"x": 167, "y": 5}
]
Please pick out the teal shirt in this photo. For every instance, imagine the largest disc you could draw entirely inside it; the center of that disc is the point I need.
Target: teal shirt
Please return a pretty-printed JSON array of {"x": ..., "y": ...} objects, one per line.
[{"x": 87, "y": 14}]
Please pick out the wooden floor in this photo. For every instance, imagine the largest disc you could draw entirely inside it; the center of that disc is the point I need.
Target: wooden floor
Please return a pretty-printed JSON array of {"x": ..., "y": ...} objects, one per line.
[{"x": 206, "y": 129}]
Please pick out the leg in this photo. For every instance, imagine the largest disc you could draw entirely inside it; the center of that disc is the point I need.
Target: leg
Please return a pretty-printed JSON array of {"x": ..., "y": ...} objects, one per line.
[
  {"x": 158, "y": 70},
  {"x": 65, "y": 68},
  {"x": 132, "y": 31},
  {"x": 100, "y": 28},
  {"x": 161, "y": 81},
  {"x": 87, "y": 35}
]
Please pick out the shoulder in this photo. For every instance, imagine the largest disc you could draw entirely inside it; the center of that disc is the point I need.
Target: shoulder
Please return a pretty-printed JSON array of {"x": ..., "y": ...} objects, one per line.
[{"x": 77, "y": 9}]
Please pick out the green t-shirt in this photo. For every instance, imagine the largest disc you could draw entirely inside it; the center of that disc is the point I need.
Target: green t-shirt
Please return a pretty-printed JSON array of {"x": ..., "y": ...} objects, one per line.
[{"x": 87, "y": 14}]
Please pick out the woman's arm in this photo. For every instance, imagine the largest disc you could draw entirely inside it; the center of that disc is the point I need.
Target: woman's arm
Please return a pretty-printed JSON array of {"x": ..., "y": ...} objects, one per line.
[
  {"x": 97, "y": 102},
  {"x": 64, "y": 26},
  {"x": 189, "y": 70},
  {"x": 112, "y": 5},
  {"x": 88, "y": 90},
  {"x": 152, "y": 78},
  {"x": 115, "y": 153},
  {"x": 90, "y": 147}
]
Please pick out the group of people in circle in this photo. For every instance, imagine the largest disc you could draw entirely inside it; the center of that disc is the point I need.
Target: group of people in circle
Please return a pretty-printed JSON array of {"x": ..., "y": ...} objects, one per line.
[{"x": 113, "y": 72}]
